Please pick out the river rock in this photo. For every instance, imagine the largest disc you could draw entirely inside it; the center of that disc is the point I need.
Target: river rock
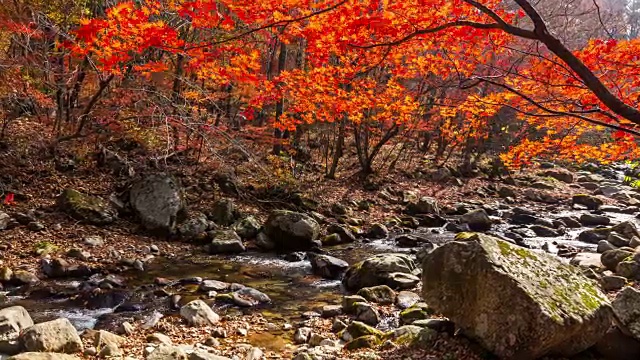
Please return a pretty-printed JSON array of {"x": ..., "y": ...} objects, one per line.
[
  {"x": 626, "y": 307},
  {"x": 589, "y": 201},
  {"x": 477, "y": 220},
  {"x": 629, "y": 267},
  {"x": 612, "y": 282},
  {"x": 593, "y": 236},
  {"x": 249, "y": 297},
  {"x": 247, "y": 227},
  {"x": 366, "y": 313},
  {"x": 198, "y": 313},
  {"x": 425, "y": 205},
  {"x": 52, "y": 336},
  {"x": 89, "y": 209},
  {"x": 560, "y": 174},
  {"x": 328, "y": 267},
  {"x": 611, "y": 258},
  {"x": 615, "y": 345},
  {"x": 224, "y": 212},
  {"x": 378, "y": 231},
  {"x": 43, "y": 356},
  {"x": 618, "y": 240},
  {"x": 570, "y": 222},
  {"x": 13, "y": 320},
  {"x": 554, "y": 309},
  {"x": 604, "y": 245},
  {"x": 627, "y": 229},
  {"x": 225, "y": 242},
  {"x": 594, "y": 220},
  {"x": 345, "y": 235},
  {"x": 167, "y": 352},
  {"x": 587, "y": 260},
  {"x": 193, "y": 227},
  {"x": 544, "y": 231},
  {"x": 349, "y": 301},
  {"x": 381, "y": 294},
  {"x": 292, "y": 231},
  {"x": 157, "y": 200},
  {"x": 406, "y": 299},
  {"x": 379, "y": 269}
]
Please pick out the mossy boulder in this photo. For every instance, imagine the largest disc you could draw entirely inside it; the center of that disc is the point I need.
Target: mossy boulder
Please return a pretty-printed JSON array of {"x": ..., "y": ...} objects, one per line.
[
  {"x": 292, "y": 231},
  {"x": 381, "y": 269},
  {"x": 381, "y": 294},
  {"x": 357, "y": 329},
  {"x": 611, "y": 258},
  {"x": 89, "y": 209},
  {"x": 419, "y": 311},
  {"x": 363, "y": 342},
  {"x": 589, "y": 201},
  {"x": 552, "y": 310}
]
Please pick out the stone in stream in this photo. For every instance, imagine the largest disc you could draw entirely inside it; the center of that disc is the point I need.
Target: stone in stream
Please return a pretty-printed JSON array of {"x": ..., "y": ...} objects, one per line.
[
  {"x": 381, "y": 294},
  {"x": 604, "y": 245},
  {"x": 554, "y": 309},
  {"x": 626, "y": 307},
  {"x": 544, "y": 231},
  {"x": 345, "y": 235},
  {"x": 198, "y": 313},
  {"x": 292, "y": 231},
  {"x": 594, "y": 220},
  {"x": 618, "y": 240},
  {"x": 328, "y": 267},
  {"x": 89, "y": 209},
  {"x": 629, "y": 267},
  {"x": 406, "y": 299},
  {"x": 381, "y": 269},
  {"x": 627, "y": 229},
  {"x": 157, "y": 201},
  {"x": 477, "y": 220},
  {"x": 13, "y": 320},
  {"x": 612, "y": 282},
  {"x": 349, "y": 301},
  {"x": 409, "y": 241},
  {"x": 52, "y": 336},
  {"x": 589, "y": 201},
  {"x": 378, "y": 231},
  {"x": 593, "y": 236},
  {"x": 249, "y": 297},
  {"x": 225, "y": 242},
  {"x": 570, "y": 222},
  {"x": 611, "y": 258}
]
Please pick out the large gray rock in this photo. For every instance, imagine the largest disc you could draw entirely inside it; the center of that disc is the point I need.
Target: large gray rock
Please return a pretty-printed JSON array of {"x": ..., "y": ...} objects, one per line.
[
  {"x": 425, "y": 205},
  {"x": 89, "y": 209},
  {"x": 553, "y": 309},
  {"x": 328, "y": 267},
  {"x": 43, "y": 356},
  {"x": 292, "y": 231},
  {"x": 157, "y": 200},
  {"x": 381, "y": 269},
  {"x": 167, "y": 352},
  {"x": 13, "y": 320},
  {"x": 198, "y": 313},
  {"x": 626, "y": 306},
  {"x": 52, "y": 336},
  {"x": 477, "y": 220},
  {"x": 193, "y": 227},
  {"x": 225, "y": 242},
  {"x": 589, "y": 201}
]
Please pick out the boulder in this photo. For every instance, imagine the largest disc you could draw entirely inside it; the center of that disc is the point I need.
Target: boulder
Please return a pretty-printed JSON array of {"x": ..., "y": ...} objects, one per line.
[
  {"x": 43, "y": 356},
  {"x": 378, "y": 231},
  {"x": 618, "y": 240},
  {"x": 292, "y": 231},
  {"x": 224, "y": 212},
  {"x": 52, "y": 336},
  {"x": 425, "y": 205},
  {"x": 477, "y": 220},
  {"x": 560, "y": 174},
  {"x": 544, "y": 231},
  {"x": 627, "y": 229},
  {"x": 89, "y": 209},
  {"x": 381, "y": 294},
  {"x": 225, "y": 242},
  {"x": 594, "y": 220},
  {"x": 377, "y": 270},
  {"x": 345, "y": 235},
  {"x": 611, "y": 258},
  {"x": 194, "y": 226},
  {"x": 158, "y": 201},
  {"x": 167, "y": 352},
  {"x": 589, "y": 201},
  {"x": 553, "y": 309},
  {"x": 198, "y": 313},
  {"x": 249, "y": 297},
  {"x": 13, "y": 320},
  {"x": 594, "y": 236},
  {"x": 366, "y": 313},
  {"x": 247, "y": 227},
  {"x": 626, "y": 307},
  {"x": 328, "y": 267}
]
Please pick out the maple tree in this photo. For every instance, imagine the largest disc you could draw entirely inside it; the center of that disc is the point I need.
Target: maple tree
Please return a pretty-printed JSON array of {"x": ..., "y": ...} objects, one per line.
[{"x": 373, "y": 69}]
